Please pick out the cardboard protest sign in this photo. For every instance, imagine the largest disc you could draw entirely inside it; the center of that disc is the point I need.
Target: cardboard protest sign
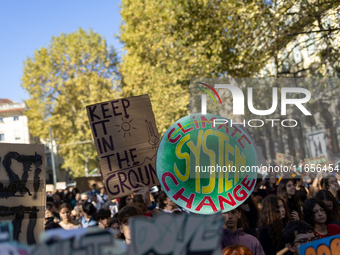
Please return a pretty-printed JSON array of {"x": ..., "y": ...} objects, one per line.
[
  {"x": 60, "y": 185},
  {"x": 22, "y": 189},
  {"x": 328, "y": 245},
  {"x": 206, "y": 167},
  {"x": 176, "y": 234},
  {"x": 284, "y": 160},
  {"x": 91, "y": 241},
  {"x": 85, "y": 183},
  {"x": 49, "y": 188},
  {"x": 322, "y": 160},
  {"x": 126, "y": 139}
]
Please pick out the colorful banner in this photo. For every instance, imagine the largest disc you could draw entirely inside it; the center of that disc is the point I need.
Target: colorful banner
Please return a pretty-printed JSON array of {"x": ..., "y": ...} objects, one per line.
[
  {"x": 126, "y": 138},
  {"x": 328, "y": 246},
  {"x": 206, "y": 164},
  {"x": 284, "y": 160},
  {"x": 322, "y": 160}
]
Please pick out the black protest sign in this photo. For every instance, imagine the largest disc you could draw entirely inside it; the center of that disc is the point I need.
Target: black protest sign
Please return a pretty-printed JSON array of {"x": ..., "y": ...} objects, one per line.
[
  {"x": 22, "y": 189},
  {"x": 126, "y": 139},
  {"x": 176, "y": 234}
]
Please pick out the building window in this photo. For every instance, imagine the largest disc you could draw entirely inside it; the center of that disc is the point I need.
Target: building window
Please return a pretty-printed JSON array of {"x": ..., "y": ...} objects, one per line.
[
  {"x": 17, "y": 134},
  {"x": 49, "y": 161},
  {"x": 285, "y": 62},
  {"x": 297, "y": 56},
  {"x": 310, "y": 43},
  {"x": 16, "y": 118},
  {"x": 2, "y": 137}
]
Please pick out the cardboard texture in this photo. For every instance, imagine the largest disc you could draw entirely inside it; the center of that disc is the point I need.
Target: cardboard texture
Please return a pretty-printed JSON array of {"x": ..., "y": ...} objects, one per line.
[
  {"x": 60, "y": 185},
  {"x": 176, "y": 234},
  {"x": 22, "y": 189},
  {"x": 284, "y": 160},
  {"x": 49, "y": 188},
  {"x": 126, "y": 138},
  {"x": 328, "y": 245},
  {"x": 85, "y": 183}
]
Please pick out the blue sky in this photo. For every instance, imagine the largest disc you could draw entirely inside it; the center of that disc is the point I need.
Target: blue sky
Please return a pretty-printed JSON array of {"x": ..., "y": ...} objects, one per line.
[{"x": 29, "y": 25}]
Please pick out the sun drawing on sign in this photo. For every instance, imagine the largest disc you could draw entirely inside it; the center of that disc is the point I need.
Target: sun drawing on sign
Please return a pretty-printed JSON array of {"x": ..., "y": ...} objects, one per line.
[{"x": 126, "y": 127}]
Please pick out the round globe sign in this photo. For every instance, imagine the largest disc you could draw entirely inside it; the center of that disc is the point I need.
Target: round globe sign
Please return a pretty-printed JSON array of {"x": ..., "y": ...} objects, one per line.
[{"x": 206, "y": 164}]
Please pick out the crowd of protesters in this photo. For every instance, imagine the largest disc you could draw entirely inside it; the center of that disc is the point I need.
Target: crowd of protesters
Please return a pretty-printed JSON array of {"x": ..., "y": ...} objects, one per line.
[{"x": 282, "y": 213}]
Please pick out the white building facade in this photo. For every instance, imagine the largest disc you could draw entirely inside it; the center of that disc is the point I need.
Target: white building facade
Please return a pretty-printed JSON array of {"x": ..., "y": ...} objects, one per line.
[{"x": 13, "y": 123}]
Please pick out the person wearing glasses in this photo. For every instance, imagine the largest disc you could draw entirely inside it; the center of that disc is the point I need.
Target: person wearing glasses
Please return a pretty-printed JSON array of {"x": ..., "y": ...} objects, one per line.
[{"x": 297, "y": 233}]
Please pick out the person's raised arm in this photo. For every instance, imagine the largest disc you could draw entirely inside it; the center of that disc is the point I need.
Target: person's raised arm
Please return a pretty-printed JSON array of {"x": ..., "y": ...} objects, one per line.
[{"x": 144, "y": 191}]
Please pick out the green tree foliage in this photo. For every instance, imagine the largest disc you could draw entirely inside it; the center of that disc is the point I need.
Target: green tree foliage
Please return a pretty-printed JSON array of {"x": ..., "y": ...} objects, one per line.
[
  {"x": 169, "y": 42},
  {"x": 75, "y": 70}
]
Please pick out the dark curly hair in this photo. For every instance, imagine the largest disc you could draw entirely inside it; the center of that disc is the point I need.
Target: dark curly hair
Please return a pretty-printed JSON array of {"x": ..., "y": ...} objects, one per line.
[
  {"x": 309, "y": 213},
  {"x": 326, "y": 195},
  {"x": 127, "y": 212},
  {"x": 270, "y": 217},
  {"x": 294, "y": 228},
  {"x": 103, "y": 214}
]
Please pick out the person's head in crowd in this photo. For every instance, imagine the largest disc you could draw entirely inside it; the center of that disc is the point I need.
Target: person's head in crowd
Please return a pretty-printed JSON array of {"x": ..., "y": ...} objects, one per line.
[
  {"x": 114, "y": 224},
  {"x": 49, "y": 207},
  {"x": 165, "y": 203},
  {"x": 94, "y": 199},
  {"x": 123, "y": 217},
  {"x": 56, "y": 206},
  {"x": 49, "y": 199},
  {"x": 84, "y": 197},
  {"x": 103, "y": 191},
  {"x": 331, "y": 184},
  {"x": 88, "y": 209},
  {"x": 139, "y": 201},
  {"x": 298, "y": 181},
  {"x": 57, "y": 197},
  {"x": 77, "y": 212},
  {"x": 297, "y": 233},
  {"x": 327, "y": 197},
  {"x": 316, "y": 212},
  {"x": 66, "y": 191},
  {"x": 69, "y": 196},
  {"x": 94, "y": 186},
  {"x": 127, "y": 200},
  {"x": 236, "y": 249},
  {"x": 274, "y": 215},
  {"x": 75, "y": 191},
  {"x": 49, "y": 211},
  {"x": 259, "y": 182},
  {"x": 65, "y": 212},
  {"x": 287, "y": 191},
  {"x": 270, "y": 182},
  {"x": 103, "y": 217},
  {"x": 77, "y": 197},
  {"x": 231, "y": 218}
]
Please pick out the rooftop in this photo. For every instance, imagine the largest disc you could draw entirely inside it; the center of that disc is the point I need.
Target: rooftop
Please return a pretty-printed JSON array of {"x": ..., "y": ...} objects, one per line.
[{"x": 7, "y": 105}]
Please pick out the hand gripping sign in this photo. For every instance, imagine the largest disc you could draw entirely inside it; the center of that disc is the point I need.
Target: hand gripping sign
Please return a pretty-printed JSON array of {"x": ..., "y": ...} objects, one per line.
[{"x": 206, "y": 165}]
